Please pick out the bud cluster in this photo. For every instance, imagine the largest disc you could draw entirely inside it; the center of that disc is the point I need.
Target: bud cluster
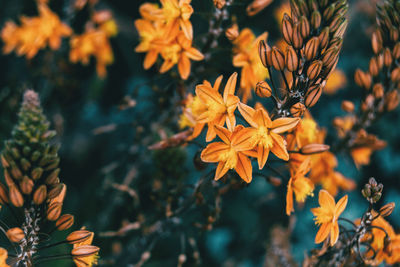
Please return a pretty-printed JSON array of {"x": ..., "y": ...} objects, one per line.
[
  {"x": 314, "y": 33},
  {"x": 372, "y": 191}
]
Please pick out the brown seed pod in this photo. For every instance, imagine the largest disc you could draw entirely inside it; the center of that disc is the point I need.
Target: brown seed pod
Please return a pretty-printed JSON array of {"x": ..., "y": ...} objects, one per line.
[
  {"x": 377, "y": 42},
  {"x": 54, "y": 211},
  {"x": 314, "y": 69},
  {"x": 232, "y": 32},
  {"x": 387, "y": 57},
  {"x": 311, "y": 48},
  {"x": 287, "y": 29},
  {"x": 387, "y": 209},
  {"x": 324, "y": 38},
  {"x": 316, "y": 19},
  {"x": 297, "y": 39},
  {"x": 347, "y": 106},
  {"x": 278, "y": 60},
  {"x": 313, "y": 95},
  {"x": 65, "y": 222},
  {"x": 395, "y": 75},
  {"x": 391, "y": 100},
  {"x": 362, "y": 79},
  {"x": 15, "y": 234},
  {"x": 396, "y": 51},
  {"x": 16, "y": 197},
  {"x": 291, "y": 59},
  {"x": 40, "y": 195},
  {"x": 263, "y": 51},
  {"x": 3, "y": 194},
  {"x": 26, "y": 185},
  {"x": 378, "y": 90},
  {"x": 314, "y": 149},
  {"x": 297, "y": 110},
  {"x": 304, "y": 27},
  {"x": 78, "y": 236},
  {"x": 84, "y": 251},
  {"x": 263, "y": 89},
  {"x": 373, "y": 67}
]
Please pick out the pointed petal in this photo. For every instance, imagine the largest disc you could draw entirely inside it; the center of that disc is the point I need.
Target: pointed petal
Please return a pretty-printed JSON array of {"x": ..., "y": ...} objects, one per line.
[
  {"x": 282, "y": 125},
  {"x": 230, "y": 86},
  {"x": 289, "y": 198},
  {"x": 208, "y": 94},
  {"x": 220, "y": 171},
  {"x": 251, "y": 153},
  {"x": 334, "y": 233},
  {"x": 166, "y": 66},
  {"x": 248, "y": 113},
  {"x": 218, "y": 82},
  {"x": 194, "y": 54},
  {"x": 212, "y": 152},
  {"x": 279, "y": 147},
  {"x": 340, "y": 206},
  {"x": 262, "y": 156},
  {"x": 241, "y": 139},
  {"x": 210, "y": 132},
  {"x": 262, "y": 118},
  {"x": 326, "y": 201},
  {"x": 198, "y": 128},
  {"x": 150, "y": 59},
  {"x": 240, "y": 60},
  {"x": 184, "y": 67},
  {"x": 323, "y": 232},
  {"x": 187, "y": 28},
  {"x": 223, "y": 133},
  {"x": 244, "y": 168},
  {"x": 230, "y": 122}
]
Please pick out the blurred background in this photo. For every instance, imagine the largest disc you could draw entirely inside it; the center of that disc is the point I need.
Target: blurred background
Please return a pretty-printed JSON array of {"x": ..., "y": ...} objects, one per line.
[{"x": 105, "y": 126}]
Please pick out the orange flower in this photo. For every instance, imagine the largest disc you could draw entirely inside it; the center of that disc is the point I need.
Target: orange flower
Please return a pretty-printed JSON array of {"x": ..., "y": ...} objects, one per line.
[
  {"x": 3, "y": 258},
  {"x": 180, "y": 53},
  {"x": 34, "y": 33},
  {"x": 220, "y": 109},
  {"x": 266, "y": 133},
  {"x": 298, "y": 184},
  {"x": 327, "y": 215},
  {"x": 180, "y": 11},
  {"x": 231, "y": 153},
  {"x": 246, "y": 56}
]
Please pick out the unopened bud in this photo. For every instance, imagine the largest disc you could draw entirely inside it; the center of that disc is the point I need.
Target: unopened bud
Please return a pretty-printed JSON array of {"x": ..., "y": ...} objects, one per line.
[
  {"x": 387, "y": 209},
  {"x": 278, "y": 60},
  {"x": 16, "y": 197},
  {"x": 15, "y": 234},
  {"x": 297, "y": 110},
  {"x": 79, "y": 236},
  {"x": 54, "y": 211},
  {"x": 313, "y": 95},
  {"x": 347, "y": 106},
  {"x": 26, "y": 185},
  {"x": 314, "y": 149},
  {"x": 219, "y": 3},
  {"x": 84, "y": 251},
  {"x": 291, "y": 59},
  {"x": 65, "y": 222},
  {"x": 378, "y": 90},
  {"x": 232, "y": 32},
  {"x": 263, "y": 89},
  {"x": 40, "y": 195}
]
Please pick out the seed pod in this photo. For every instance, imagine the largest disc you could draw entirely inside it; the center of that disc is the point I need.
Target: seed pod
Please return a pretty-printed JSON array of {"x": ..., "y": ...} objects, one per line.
[
  {"x": 54, "y": 211},
  {"x": 377, "y": 42},
  {"x": 297, "y": 110},
  {"x": 292, "y": 61},
  {"x": 394, "y": 34},
  {"x": 396, "y": 51},
  {"x": 287, "y": 29},
  {"x": 392, "y": 100},
  {"x": 278, "y": 60},
  {"x": 15, "y": 234},
  {"x": 26, "y": 185},
  {"x": 263, "y": 89},
  {"x": 78, "y": 236},
  {"x": 52, "y": 177},
  {"x": 65, "y": 222},
  {"x": 16, "y": 197},
  {"x": 297, "y": 39},
  {"x": 314, "y": 149},
  {"x": 36, "y": 173},
  {"x": 311, "y": 48},
  {"x": 40, "y": 195},
  {"x": 378, "y": 90},
  {"x": 232, "y": 32},
  {"x": 314, "y": 69},
  {"x": 347, "y": 106},
  {"x": 387, "y": 209},
  {"x": 324, "y": 38},
  {"x": 56, "y": 191},
  {"x": 363, "y": 79},
  {"x": 395, "y": 75},
  {"x": 313, "y": 95},
  {"x": 3, "y": 194},
  {"x": 373, "y": 67},
  {"x": 387, "y": 57},
  {"x": 84, "y": 251},
  {"x": 263, "y": 51},
  {"x": 316, "y": 19},
  {"x": 304, "y": 27}
]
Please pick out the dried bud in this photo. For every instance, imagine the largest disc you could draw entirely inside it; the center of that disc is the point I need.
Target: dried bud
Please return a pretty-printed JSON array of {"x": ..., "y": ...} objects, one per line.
[
  {"x": 314, "y": 69},
  {"x": 297, "y": 39},
  {"x": 378, "y": 90},
  {"x": 278, "y": 60},
  {"x": 65, "y": 222},
  {"x": 16, "y": 197},
  {"x": 40, "y": 195},
  {"x": 264, "y": 52},
  {"x": 297, "y": 110},
  {"x": 387, "y": 57},
  {"x": 392, "y": 100},
  {"x": 15, "y": 234},
  {"x": 396, "y": 51},
  {"x": 373, "y": 67},
  {"x": 84, "y": 251},
  {"x": 324, "y": 38},
  {"x": 292, "y": 61},
  {"x": 78, "y": 236},
  {"x": 304, "y": 27},
  {"x": 395, "y": 75},
  {"x": 26, "y": 185},
  {"x": 311, "y": 48},
  {"x": 232, "y": 32},
  {"x": 3, "y": 195},
  {"x": 314, "y": 149},
  {"x": 347, "y": 106},
  {"x": 313, "y": 95},
  {"x": 263, "y": 89},
  {"x": 219, "y": 3},
  {"x": 256, "y": 6},
  {"x": 377, "y": 43},
  {"x": 54, "y": 211},
  {"x": 387, "y": 209},
  {"x": 287, "y": 29},
  {"x": 315, "y": 19},
  {"x": 363, "y": 79},
  {"x": 366, "y": 191}
]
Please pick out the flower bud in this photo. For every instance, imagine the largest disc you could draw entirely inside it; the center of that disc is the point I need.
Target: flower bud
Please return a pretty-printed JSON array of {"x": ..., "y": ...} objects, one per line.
[
  {"x": 387, "y": 57},
  {"x": 394, "y": 34},
  {"x": 392, "y": 100},
  {"x": 65, "y": 222},
  {"x": 378, "y": 90},
  {"x": 3, "y": 195},
  {"x": 347, "y": 106},
  {"x": 314, "y": 69},
  {"x": 256, "y": 6},
  {"x": 15, "y": 234},
  {"x": 264, "y": 52},
  {"x": 387, "y": 209},
  {"x": 311, "y": 48},
  {"x": 232, "y": 32},
  {"x": 16, "y": 197},
  {"x": 297, "y": 39},
  {"x": 25, "y": 164},
  {"x": 84, "y": 251},
  {"x": 396, "y": 51},
  {"x": 54, "y": 211},
  {"x": 313, "y": 95},
  {"x": 395, "y": 75},
  {"x": 219, "y": 3},
  {"x": 316, "y": 19},
  {"x": 377, "y": 42},
  {"x": 78, "y": 236},
  {"x": 55, "y": 191},
  {"x": 324, "y": 38},
  {"x": 52, "y": 177},
  {"x": 329, "y": 56},
  {"x": 314, "y": 149},
  {"x": 297, "y": 110},
  {"x": 291, "y": 59},
  {"x": 304, "y": 27},
  {"x": 263, "y": 89},
  {"x": 40, "y": 195},
  {"x": 26, "y": 185},
  {"x": 4, "y": 162},
  {"x": 373, "y": 67},
  {"x": 363, "y": 79},
  {"x": 278, "y": 60},
  {"x": 36, "y": 173},
  {"x": 328, "y": 12},
  {"x": 287, "y": 29}
]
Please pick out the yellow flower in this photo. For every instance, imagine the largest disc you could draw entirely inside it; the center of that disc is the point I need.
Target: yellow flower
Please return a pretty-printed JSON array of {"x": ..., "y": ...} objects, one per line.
[
  {"x": 231, "y": 153},
  {"x": 246, "y": 57},
  {"x": 180, "y": 11},
  {"x": 266, "y": 133},
  {"x": 220, "y": 109},
  {"x": 3, "y": 258},
  {"x": 298, "y": 184},
  {"x": 327, "y": 215}
]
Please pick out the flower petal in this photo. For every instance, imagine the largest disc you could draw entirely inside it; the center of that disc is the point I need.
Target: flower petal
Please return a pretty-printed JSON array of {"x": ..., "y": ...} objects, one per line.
[
  {"x": 262, "y": 156},
  {"x": 187, "y": 28},
  {"x": 230, "y": 86},
  {"x": 194, "y": 54},
  {"x": 262, "y": 118},
  {"x": 282, "y": 125},
  {"x": 241, "y": 138},
  {"x": 323, "y": 232},
  {"x": 279, "y": 147},
  {"x": 223, "y": 133},
  {"x": 212, "y": 152},
  {"x": 244, "y": 168},
  {"x": 150, "y": 59},
  {"x": 184, "y": 67},
  {"x": 248, "y": 113},
  {"x": 334, "y": 233},
  {"x": 326, "y": 200},
  {"x": 340, "y": 206},
  {"x": 289, "y": 198},
  {"x": 220, "y": 171}
]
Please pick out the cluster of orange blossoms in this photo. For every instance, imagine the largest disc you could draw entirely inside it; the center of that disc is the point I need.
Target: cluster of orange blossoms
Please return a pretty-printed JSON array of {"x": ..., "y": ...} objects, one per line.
[
  {"x": 167, "y": 31},
  {"x": 35, "y": 33}
]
